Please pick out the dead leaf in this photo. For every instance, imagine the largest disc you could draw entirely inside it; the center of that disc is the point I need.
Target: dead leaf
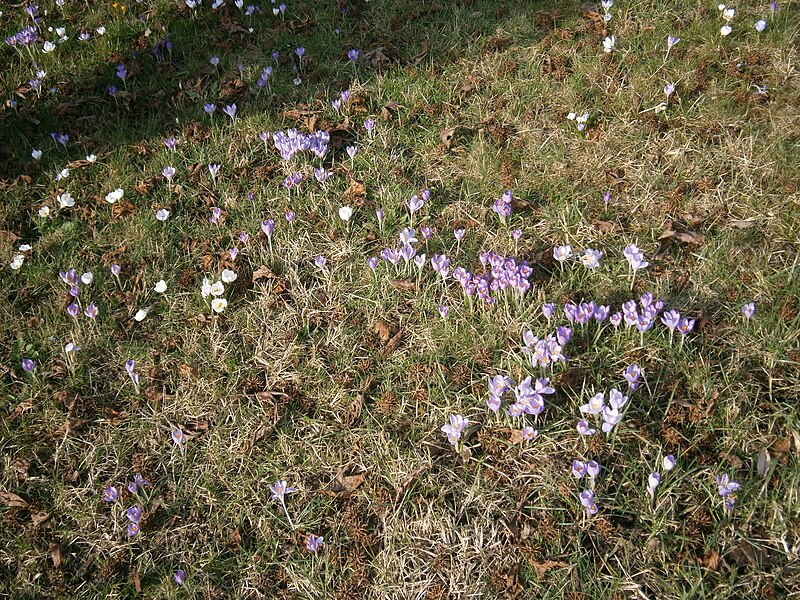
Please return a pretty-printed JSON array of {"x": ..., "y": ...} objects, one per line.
[
  {"x": 686, "y": 237},
  {"x": 37, "y": 518},
  {"x": 7, "y": 236},
  {"x": 423, "y": 52},
  {"x": 343, "y": 485},
  {"x": 56, "y": 555},
  {"x": 711, "y": 561},
  {"x": 353, "y": 410},
  {"x": 122, "y": 209},
  {"x": 356, "y": 193},
  {"x": 447, "y": 136},
  {"x": 516, "y": 436},
  {"x": 542, "y": 568},
  {"x": 781, "y": 446},
  {"x": 745, "y": 224},
  {"x": 382, "y": 330},
  {"x": 377, "y": 58},
  {"x": 137, "y": 580},
  {"x": 763, "y": 462},
  {"x": 389, "y": 109},
  {"x": 19, "y": 409},
  {"x": 11, "y": 500},
  {"x": 259, "y": 434},
  {"x": 263, "y": 272},
  {"x": 607, "y": 226},
  {"x": 393, "y": 343},
  {"x": 311, "y": 124},
  {"x": 296, "y": 114},
  {"x": 404, "y": 285}
]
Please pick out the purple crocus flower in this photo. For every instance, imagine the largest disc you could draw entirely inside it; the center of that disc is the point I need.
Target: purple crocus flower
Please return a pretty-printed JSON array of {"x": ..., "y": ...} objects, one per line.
[
  {"x": 369, "y": 124},
  {"x": 353, "y": 54},
  {"x": 351, "y": 151},
  {"x": 631, "y": 375},
  {"x": 548, "y": 309},
  {"x": 616, "y": 319},
  {"x": 671, "y": 319},
  {"x": 134, "y": 514},
  {"x": 209, "y": 108},
  {"x": 28, "y": 365},
  {"x": 314, "y": 542},
  {"x": 760, "y": 25},
  {"x": 178, "y": 436},
  {"x": 170, "y": 143},
  {"x": 563, "y": 335},
  {"x": 685, "y": 325},
  {"x": 373, "y": 262},
  {"x": 268, "y": 227},
  {"x": 290, "y": 216},
  {"x": 214, "y": 170},
  {"x": 578, "y": 468},
  {"x": 168, "y": 172},
  {"x": 592, "y": 468},
  {"x": 73, "y": 310},
  {"x": 414, "y": 204},
  {"x": 122, "y": 72},
  {"x": 459, "y": 234},
  {"x": 110, "y": 494},
  {"x": 216, "y": 215},
  {"x": 653, "y": 481},
  {"x": 141, "y": 481},
  {"x": 133, "y": 529},
  {"x": 671, "y": 41},
  {"x": 669, "y": 462},
  {"x": 426, "y": 232},
  {"x": 441, "y": 264},
  {"x": 300, "y": 52},
  {"x": 749, "y": 309},
  {"x": 517, "y": 234},
  {"x": 115, "y": 270},
  {"x": 443, "y": 311},
  {"x": 214, "y": 60},
  {"x": 320, "y": 261},
  {"x": 584, "y": 428},
  {"x": 230, "y": 110},
  {"x": 179, "y": 576},
  {"x": 91, "y": 311}
]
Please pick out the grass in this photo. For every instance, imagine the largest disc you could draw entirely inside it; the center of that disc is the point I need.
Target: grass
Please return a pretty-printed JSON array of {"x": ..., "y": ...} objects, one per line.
[{"x": 338, "y": 379}]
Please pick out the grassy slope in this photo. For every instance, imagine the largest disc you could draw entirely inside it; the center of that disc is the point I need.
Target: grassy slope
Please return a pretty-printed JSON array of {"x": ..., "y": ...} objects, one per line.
[{"x": 273, "y": 388}]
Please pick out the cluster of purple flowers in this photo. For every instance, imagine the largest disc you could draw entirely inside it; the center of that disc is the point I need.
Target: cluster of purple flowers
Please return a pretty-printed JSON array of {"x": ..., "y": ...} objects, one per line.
[
  {"x": 23, "y": 38},
  {"x": 134, "y": 513},
  {"x": 291, "y": 142},
  {"x": 502, "y": 206},
  {"x": 610, "y": 412},
  {"x": 547, "y": 351},
  {"x": 263, "y": 81},
  {"x": 72, "y": 279},
  {"x": 528, "y": 395},
  {"x": 586, "y": 311},
  {"x": 502, "y": 273},
  {"x": 642, "y": 315}
]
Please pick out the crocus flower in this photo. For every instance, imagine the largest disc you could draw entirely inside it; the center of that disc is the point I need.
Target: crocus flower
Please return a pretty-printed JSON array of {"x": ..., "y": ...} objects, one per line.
[
  {"x": 592, "y": 468},
  {"x": 578, "y": 468},
  {"x": 562, "y": 253},
  {"x": 141, "y": 481},
  {"x": 372, "y": 262},
  {"x": 28, "y": 365},
  {"x": 161, "y": 286},
  {"x": 345, "y": 212},
  {"x": 749, "y": 309},
  {"x": 279, "y": 489},
  {"x": 115, "y": 270},
  {"x": 230, "y": 110},
  {"x": 725, "y": 30},
  {"x": 290, "y": 216},
  {"x": 168, "y": 172},
  {"x": 609, "y": 43},
  {"x": 653, "y": 481},
  {"x": 209, "y": 108},
  {"x": 591, "y": 258},
  {"x": 179, "y": 576},
  {"x": 584, "y": 428},
  {"x": 369, "y": 124},
  {"x": 548, "y": 310},
  {"x": 122, "y": 72},
  {"x": 351, "y": 151},
  {"x": 170, "y": 143},
  {"x": 443, "y": 311},
  {"x": 314, "y": 542},
  {"x": 133, "y": 529},
  {"x": 73, "y": 310},
  {"x": 454, "y": 428},
  {"x": 162, "y": 214},
  {"x": 177, "y": 436},
  {"x": 459, "y": 234},
  {"x": 631, "y": 375},
  {"x": 685, "y": 325},
  {"x": 114, "y": 196},
  {"x": 134, "y": 514},
  {"x": 219, "y": 304},
  {"x": 228, "y": 276},
  {"x": 320, "y": 261},
  {"x": 671, "y": 41},
  {"x": 353, "y": 55},
  {"x": 214, "y": 60},
  {"x": 669, "y": 462},
  {"x": 110, "y": 494}
]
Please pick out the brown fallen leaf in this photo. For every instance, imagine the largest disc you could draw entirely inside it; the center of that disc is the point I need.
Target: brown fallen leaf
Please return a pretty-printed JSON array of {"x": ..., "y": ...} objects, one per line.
[
  {"x": 137, "y": 581},
  {"x": 404, "y": 285},
  {"x": 37, "y": 518},
  {"x": 781, "y": 445},
  {"x": 607, "y": 226},
  {"x": 11, "y": 500},
  {"x": 56, "y": 554},
  {"x": 343, "y": 485},
  {"x": 423, "y": 51},
  {"x": 542, "y": 568},
  {"x": 122, "y": 209},
  {"x": 745, "y": 224},
  {"x": 393, "y": 343},
  {"x": 263, "y": 272},
  {"x": 516, "y": 436},
  {"x": 356, "y": 193},
  {"x": 448, "y": 135},
  {"x": 353, "y": 410},
  {"x": 686, "y": 237},
  {"x": 711, "y": 561},
  {"x": 389, "y": 109},
  {"x": 296, "y": 114},
  {"x": 382, "y": 330}
]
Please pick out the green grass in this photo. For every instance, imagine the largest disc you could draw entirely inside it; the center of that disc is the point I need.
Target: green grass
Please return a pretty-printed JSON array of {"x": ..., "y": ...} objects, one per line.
[{"x": 338, "y": 380}]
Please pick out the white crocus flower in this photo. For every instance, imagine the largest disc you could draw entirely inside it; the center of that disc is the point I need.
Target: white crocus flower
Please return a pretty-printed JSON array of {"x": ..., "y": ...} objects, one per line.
[
  {"x": 161, "y": 286},
  {"x": 205, "y": 289},
  {"x": 16, "y": 262},
  {"x": 162, "y": 214},
  {"x": 609, "y": 43},
  {"x": 65, "y": 200},
  {"x": 217, "y": 289},
  {"x": 218, "y": 304},
  {"x": 44, "y": 212},
  {"x": 229, "y": 276},
  {"x": 114, "y": 196},
  {"x": 345, "y": 212},
  {"x": 36, "y": 154},
  {"x": 87, "y": 278},
  {"x": 141, "y": 314},
  {"x": 48, "y": 47}
]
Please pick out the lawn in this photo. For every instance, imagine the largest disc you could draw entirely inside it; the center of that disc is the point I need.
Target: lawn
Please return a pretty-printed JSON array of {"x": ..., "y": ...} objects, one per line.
[{"x": 392, "y": 299}]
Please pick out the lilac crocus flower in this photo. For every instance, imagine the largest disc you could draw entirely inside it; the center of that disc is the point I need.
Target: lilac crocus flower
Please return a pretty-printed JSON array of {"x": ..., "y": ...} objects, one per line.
[
  {"x": 141, "y": 481},
  {"x": 414, "y": 204},
  {"x": 548, "y": 309},
  {"x": 134, "y": 514},
  {"x": 179, "y": 576},
  {"x": 168, "y": 172},
  {"x": 279, "y": 489},
  {"x": 653, "y": 481},
  {"x": 631, "y": 375},
  {"x": 268, "y": 227},
  {"x": 73, "y": 310},
  {"x": 454, "y": 428},
  {"x": 616, "y": 319},
  {"x": 91, "y": 311},
  {"x": 133, "y": 529},
  {"x": 749, "y": 309},
  {"x": 669, "y": 89},
  {"x": 669, "y": 462},
  {"x": 209, "y": 108},
  {"x": 214, "y": 60},
  {"x": 595, "y": 405},
  {"x": 178, "y": 436},
  {"x": 122, "y": 72},
  {"x": 584, "y": 428},
  {"x": 671, "y": 41},
  {"x": 443, "y": 311},
  {"x": 300, "y": 52},
  {"x": 351, "y": 151},
  {"x": 671, "y": 319},
  {"x": 591, "y": 258},
  {"x": 290, "y": 216},
  {"x": 635, "y": 257},
  {"x": 314, "y": 542},
  {"x": 760, "y": 25},
  {"x": 230, "y": 110},
  {"x": 592, "y": 468},
  {"x": 170, "y": 143},
  {"x": 372, "y": 262},
  {"x": 562, "y": 253},
  {"x": 110, "y": 494},
  {"x": 320, "y": 261},
  {"x": 685, "y": 325},
  {"x": 214, "y": 170},
  {"x": 353, "y": 54},
  {"x": 216, "y": 215},
  {"x": 426, "y": 232},
  {"x": 28, "y": 365},
  {"x": 563, "y": 335},
  {"x": 441, "y": 264},
  {"x": 369, "y": 124},
  {"x": 459, "y": 234},
  {"x": 115, "y": 270},
  {"x": 578, "y": 468}
]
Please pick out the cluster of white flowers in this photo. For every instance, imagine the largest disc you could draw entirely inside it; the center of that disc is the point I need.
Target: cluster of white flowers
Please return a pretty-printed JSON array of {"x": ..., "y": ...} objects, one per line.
[{"x": 217, "y": 289}]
